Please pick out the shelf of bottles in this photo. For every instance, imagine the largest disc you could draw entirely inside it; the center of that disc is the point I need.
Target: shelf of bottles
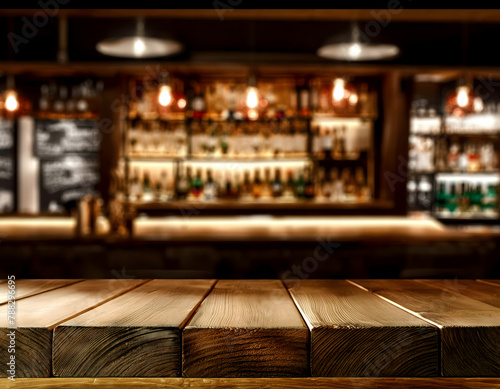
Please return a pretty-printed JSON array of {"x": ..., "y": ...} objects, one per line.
[
  {"x": 211, "y": 147},
  {"x": 454, "y": 164}
]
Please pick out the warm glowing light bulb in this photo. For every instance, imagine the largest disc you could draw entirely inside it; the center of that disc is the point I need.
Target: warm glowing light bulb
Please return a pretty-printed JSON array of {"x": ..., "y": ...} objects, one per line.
[
  {"x": 139, "y": 47},
  {"x": 354, "y": 50},
  {"x": 338, "y": 89},
  {"x": 252, "y": 97},
  {"x": 165, "y": 96},
  {"x": 478, "y": 104},
  {"x": 353, "y": 99},
  {"x": 462, "y": 97},
  {"x": 253, "y": 114},
  {"x": 11, "y": 103},
  {"x": 182, "y": 103}
]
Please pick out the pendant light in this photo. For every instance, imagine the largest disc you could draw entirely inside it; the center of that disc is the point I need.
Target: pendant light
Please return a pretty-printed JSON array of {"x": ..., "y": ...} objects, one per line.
[
  {"x": 344, "y": 96},
  {"x": 463, "y": 101},
  {"x": 10, "y": 98},
  {"x": 139, "y": 45},
  {"x": 253, "y": 103},
  {"x": 357, "y": 51}
]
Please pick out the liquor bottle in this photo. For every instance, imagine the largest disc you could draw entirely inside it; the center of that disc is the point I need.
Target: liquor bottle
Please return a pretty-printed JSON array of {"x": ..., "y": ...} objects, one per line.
[
  {"x": 324, "y": 185},
  {"x": 60, "y": 102},
  {"x": 147, "y": 187},
  {"x": 309, "y": 188},
  {"x": 71, "y": 103},
  {"x": 237, "y": 186},
  {"x": 349, "y": 185},
  {"x": 289, "y": 189},
  {"x": 300, "y": 186},
  {"x": 267, "y": 190},
  {"x": 210, "y": 187},
  {"x": 198, "y": 103},
  {"x": 197, "y": 185},
  {"x": 441, "y": 198},
  {"x": 424, "y": 193},
  {"x": 452, "y": 203},
  {"x": 489, "y": 200},
  {"x": 463, "y": 160},
  {"x": 246, "y": 188},
  {"x": 463, "y": 198},
  {"x": 224, "y": 142},
  {"x": 474, "y": 160},
  {"x": 339, "y": 146},
  {"x": 44, "y": 102},
  {"x": 327, "y": 145},
  {"x": 476, "y": 197},
  {"x": 411, "y": 188},
  {"x": 135, "y": 186},
  {"x": 277, "y": 186},
  {"x": 362, "y": 190},
  {"x": 452, "y": 158},
  {"x": 257, "y": 184},
  {"x": 227, "y": 189},
  {"x": 82, "y": 104}
]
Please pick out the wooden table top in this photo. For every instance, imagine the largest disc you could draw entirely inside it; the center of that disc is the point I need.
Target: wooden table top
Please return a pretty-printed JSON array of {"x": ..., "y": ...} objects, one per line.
[{"x": 228, "y": 329}]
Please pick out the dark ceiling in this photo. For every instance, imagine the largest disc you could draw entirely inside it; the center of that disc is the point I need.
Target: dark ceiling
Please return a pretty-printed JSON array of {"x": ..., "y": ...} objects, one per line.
[{"x": 269, "y": 41}]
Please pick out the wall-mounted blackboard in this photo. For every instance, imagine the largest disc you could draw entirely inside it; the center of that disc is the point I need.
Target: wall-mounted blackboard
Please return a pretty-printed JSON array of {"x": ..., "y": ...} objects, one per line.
[
  {"x": 67, "y": 179},
  {"x": 56, "y": 138},
  {"x": 69, "y": 161},
  {"x": 7, "y": 166}
]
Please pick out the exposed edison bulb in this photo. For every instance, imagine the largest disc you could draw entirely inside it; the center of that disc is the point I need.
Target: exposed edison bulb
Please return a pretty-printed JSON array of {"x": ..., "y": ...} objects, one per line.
[
  {"x": 252, "y": 97},
  {"x": 463, "y": 96},
  {"x": 11, "y": 103},
  {"x": 478, "y": 104},
  {"x": 353, "y": 99},
  {"x": 253, "y": 114},
  {"x": 165, "y": 96},
  {"x": 182, "y": 103},
  {"x": 139, "y": 47},
  {"x": 354, "y": 50},
  {"x": 338, "y": 89}
]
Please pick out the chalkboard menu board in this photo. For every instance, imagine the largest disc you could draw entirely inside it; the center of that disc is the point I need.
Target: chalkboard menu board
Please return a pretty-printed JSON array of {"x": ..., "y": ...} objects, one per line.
[
  {"x": 66, "y": 179},
  {"x": 56, "y": 138},
  {"x": 7, "y": 166},
  {"x": 69, "y": 161}
]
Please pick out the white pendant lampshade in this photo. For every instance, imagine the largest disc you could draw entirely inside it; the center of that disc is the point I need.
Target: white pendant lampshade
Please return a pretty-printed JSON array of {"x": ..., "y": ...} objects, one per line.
[
  {"x": 357, "y": 51},
  {"x": 139, "y": 46}
]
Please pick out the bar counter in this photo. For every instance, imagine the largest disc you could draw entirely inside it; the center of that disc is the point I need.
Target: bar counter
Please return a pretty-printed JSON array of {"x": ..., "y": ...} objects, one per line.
[
  {"x": 249, "y": 228},
  {"x": 251, "y": 247}
]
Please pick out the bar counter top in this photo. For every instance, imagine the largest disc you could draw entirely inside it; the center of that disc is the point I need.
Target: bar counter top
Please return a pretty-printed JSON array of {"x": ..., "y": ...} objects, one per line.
[{"x": 249, "y": 228}]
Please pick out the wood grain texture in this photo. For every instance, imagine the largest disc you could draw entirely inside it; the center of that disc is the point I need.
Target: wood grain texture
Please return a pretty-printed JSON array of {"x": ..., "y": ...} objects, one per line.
[
  {"x": 254, "y": 383},
  {"x": 470, "y": 329},
  {"x": 248, "y": 328},
  {"x": 357, "y": 334},
  {"x": 491, "y": 282},
  {"x": 135, "y": 335},
  {"x": 486, "y": 293},
  {"x": 26, "y": 288},
  {"x": 36, "y": 316}
]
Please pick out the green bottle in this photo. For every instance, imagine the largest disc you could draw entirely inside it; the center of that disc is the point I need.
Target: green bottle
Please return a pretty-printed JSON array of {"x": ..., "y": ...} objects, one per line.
[
  {"x": 451, "y": 201},
  {"x": 300, "y": 186},
  {"x": 441, "y": 198}
]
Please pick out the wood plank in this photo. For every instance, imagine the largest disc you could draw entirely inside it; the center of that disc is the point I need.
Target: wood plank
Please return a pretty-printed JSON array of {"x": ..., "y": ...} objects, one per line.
[
  {"x": 470, "y": 329},
  {"x": 31, "y": 287},
  {"x": 489, "y": 294},
  {"x": 254, "y": 383},
  {"x": 247, "y": 328},
  {"x": 357, "y": 334},
  {"x": 135, "y": 335},
  {"x": 36, "y": 317}
]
